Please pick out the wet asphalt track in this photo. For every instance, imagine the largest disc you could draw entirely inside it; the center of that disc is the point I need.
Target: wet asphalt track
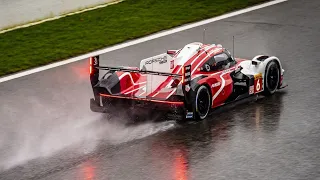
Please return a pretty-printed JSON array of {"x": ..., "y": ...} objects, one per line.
[{"x": 48, "y": 132}]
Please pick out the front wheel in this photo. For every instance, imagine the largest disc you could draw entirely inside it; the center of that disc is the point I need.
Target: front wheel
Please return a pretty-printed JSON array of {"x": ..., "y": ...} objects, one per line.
[
  {"x": 202, "y": 103},
  {"x": 272, "y": 77}
]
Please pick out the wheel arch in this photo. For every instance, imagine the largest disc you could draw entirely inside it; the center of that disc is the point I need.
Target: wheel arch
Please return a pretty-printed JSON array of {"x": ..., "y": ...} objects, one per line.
[
  {"x": 273, "y": 58},
  {"x": 197, "y": 83},
  {"x": 277, "y": 61},
  {"x": 208, "y": 86}
]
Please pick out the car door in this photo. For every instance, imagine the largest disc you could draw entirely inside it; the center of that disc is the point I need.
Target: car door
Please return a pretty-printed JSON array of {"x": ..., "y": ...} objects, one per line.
[{"x": 224, "y": 86}]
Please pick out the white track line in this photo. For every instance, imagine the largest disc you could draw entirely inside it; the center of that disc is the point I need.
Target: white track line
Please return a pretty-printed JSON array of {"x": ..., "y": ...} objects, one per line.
[
  {"x": 60, "y": 16},
  {"x": 140, "y": 40}
]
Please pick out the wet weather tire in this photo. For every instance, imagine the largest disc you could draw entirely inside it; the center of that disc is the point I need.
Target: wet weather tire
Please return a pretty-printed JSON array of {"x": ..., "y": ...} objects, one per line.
[
  {"x": 272, "y": 77},
  {"x": 202, "y": 103}
]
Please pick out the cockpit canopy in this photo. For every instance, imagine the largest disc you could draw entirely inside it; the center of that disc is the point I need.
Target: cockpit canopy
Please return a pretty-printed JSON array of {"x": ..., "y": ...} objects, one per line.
[{"x": 187, "y": 52}]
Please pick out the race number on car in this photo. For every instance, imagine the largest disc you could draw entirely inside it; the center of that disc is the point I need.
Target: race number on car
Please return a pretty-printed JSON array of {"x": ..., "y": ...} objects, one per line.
[{"x": 258, "y": 85}]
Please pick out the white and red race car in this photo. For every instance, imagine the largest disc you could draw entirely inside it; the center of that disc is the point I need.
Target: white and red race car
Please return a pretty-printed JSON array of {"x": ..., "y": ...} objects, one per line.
[{"x": 191, "y": 80}]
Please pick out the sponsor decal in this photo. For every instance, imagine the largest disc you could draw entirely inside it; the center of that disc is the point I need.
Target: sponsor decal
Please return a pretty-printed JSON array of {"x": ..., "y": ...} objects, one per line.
[
  {"x": 188, "y": 68},
  {"x": 160, "y": 60},
  {"x": 215, "y": 84},
  {"x": 189, "y": 115},
  {"x": 95, "y": 61},
  {"x": 251, "y": 90},
  {"x": 187, "y": 88},
  {"x": 258, "y": 76},
  {"x": 171, "y": 64},
  {"x": 186, "y": 74}
]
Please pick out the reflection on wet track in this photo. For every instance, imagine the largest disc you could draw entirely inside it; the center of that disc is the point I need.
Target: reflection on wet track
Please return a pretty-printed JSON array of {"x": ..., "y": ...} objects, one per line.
[
  {"x": 48, "y": 132},
  {"x": 171, "y": 154}
]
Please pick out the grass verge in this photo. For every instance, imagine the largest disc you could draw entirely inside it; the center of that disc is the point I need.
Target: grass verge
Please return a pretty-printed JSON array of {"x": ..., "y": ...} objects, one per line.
[{"x": 77, "y": 34}]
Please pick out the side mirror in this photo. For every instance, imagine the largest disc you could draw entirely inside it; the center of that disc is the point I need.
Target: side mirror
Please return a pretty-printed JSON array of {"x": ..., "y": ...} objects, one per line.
[
  {"x": 238, "y": 69},
  {"x": 172, "y": 52},
  {"x": 255, "y": 62}
]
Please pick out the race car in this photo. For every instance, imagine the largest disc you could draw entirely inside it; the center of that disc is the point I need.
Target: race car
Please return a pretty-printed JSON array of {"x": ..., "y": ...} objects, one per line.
[{"x": 189, "y": 81}]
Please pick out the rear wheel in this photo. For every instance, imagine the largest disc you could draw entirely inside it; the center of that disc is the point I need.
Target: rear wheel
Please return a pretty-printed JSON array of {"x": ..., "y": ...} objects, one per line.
[
  {"x": 202, "y": 103},
  {"x": 272, "y": 77}
]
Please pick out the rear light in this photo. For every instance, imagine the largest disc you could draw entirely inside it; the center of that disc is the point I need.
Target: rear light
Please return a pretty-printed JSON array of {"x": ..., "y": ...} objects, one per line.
[
  {"x": 90, "y": 67},
  {"x": 182, "y": 79},
  {"x": 144, "y": 99},
  {"x": 93, "y": 70}
]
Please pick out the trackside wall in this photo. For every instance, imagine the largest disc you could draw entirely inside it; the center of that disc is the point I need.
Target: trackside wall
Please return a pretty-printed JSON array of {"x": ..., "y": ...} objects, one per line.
[{"x": 18, "y": 12}]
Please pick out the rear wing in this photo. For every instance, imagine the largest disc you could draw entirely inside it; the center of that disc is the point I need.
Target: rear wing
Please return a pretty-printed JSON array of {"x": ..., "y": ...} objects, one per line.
[
  {"x": 137, "y": 71},
  {"x": 94, "y": 71}
]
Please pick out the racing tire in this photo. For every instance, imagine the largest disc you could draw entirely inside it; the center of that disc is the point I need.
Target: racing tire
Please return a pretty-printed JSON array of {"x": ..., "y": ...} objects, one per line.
[
  {"x": 202, "y": 103},
  {"x": 272, "y": 78}
]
